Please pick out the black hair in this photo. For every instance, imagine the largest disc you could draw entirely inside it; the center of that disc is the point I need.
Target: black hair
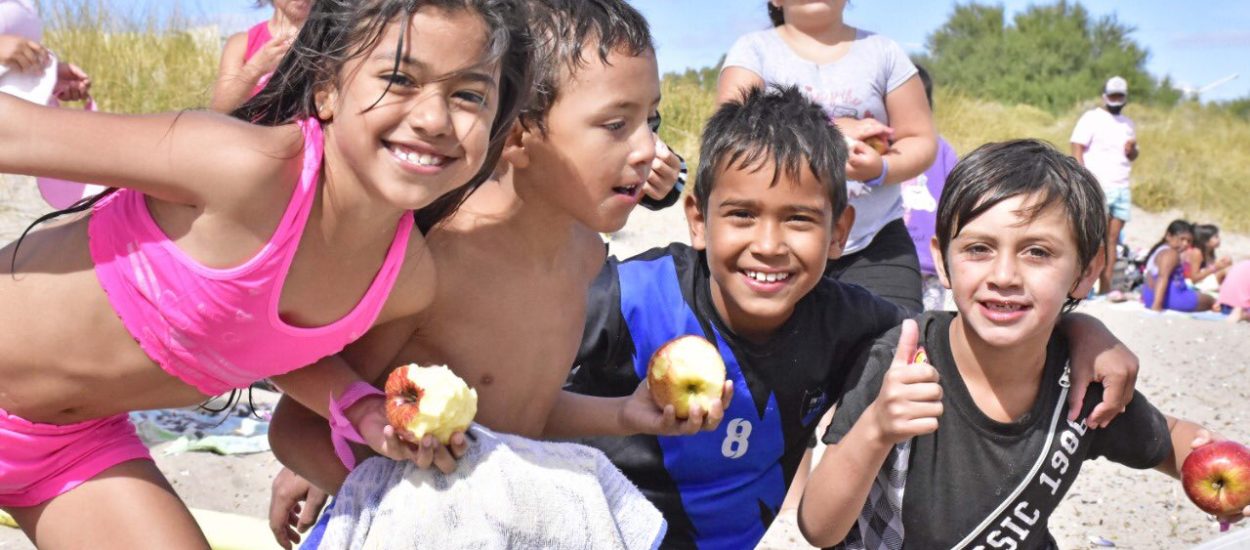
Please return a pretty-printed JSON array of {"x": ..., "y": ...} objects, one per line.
[
  {"x": 995, "y": 172},
  {"x": 927, "y": 81},
  {"x": 1203, "y": 233},
  {"x": 775, "y": 14},
  {"x": 339, "y": 30},
  {"x": 563, "y": 29},
  {"x": 1176, "y": 227},
  {"x": 779, "y": 125}
]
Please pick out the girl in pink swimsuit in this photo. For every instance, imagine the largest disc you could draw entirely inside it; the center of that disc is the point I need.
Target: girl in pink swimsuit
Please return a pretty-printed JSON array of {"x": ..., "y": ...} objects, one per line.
[
  {"x": 231, "y": 250},
  {"x": 249, "y": 58}
]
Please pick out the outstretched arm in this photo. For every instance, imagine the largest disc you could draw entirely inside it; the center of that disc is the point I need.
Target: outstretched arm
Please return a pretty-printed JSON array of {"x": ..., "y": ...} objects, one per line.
[
  {"x": 190, "y": 158},
  {"x": 575, "y": 415}
]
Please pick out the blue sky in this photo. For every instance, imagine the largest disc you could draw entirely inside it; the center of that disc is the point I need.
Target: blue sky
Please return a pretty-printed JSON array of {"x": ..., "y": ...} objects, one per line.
[{"x": 1194, "y": 43}]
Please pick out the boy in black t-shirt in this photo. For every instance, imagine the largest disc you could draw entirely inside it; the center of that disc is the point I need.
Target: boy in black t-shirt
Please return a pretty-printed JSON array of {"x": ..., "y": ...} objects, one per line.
[
  {"x": 767, "y": 211},
  {"x": 956, "y": 432}
]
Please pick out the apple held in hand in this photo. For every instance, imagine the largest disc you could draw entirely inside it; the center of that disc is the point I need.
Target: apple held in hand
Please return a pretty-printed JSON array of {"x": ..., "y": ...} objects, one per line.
[
  {"x": 1216, "y": 476},
  {"x": 878, "y": 144},
  {"x": 686, "y": 371},
  {"x": 429, "y": 400}
]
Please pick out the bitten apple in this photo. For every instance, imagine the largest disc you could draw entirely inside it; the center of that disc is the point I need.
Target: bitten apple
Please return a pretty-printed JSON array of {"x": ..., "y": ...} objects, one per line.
[
  {"x": 429, "y": 400},
  {"x": 1216, "y": 477},
  {"x": 685, "y": 371}
]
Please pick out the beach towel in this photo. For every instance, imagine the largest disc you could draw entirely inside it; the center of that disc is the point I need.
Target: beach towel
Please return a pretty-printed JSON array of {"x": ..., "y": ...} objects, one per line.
[{"x": 506, "y": 492}]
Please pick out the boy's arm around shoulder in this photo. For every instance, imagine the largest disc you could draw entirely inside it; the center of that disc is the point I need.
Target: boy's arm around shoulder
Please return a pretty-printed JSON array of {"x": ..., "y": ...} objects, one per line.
[
  {"x": 1098, "y": 356},
  {"x": 193, "y": 158},
  {"x": 893, "y": 401}
]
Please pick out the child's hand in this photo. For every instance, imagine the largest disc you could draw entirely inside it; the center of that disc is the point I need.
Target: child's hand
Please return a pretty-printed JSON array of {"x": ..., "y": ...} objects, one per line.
[
  {"x": 863, "y": 128},
  {"x": 369, "y": 418},
  {"x": 22, "y": 55},
  {"x": 294, "y": 505},
  {"x": 664, "y": 171},
  {"x": 266, "y": 59},
  {"x": 72, "y": 83},
  {"x": 910, "y": 400},
  {"x": 1224, "y": 262},
  {"x": 640, "y": 414},
  {"x": 863, "y": 163}
]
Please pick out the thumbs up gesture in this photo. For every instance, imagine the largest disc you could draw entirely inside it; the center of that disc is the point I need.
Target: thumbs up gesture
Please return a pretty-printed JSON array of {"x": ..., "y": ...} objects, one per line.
[{"x": 910, "y": 400}]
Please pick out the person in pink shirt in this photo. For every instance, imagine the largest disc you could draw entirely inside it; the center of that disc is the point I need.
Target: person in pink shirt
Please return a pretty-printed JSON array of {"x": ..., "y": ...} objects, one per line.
[
  {"x": 250, "y": 57},
  {"x": 1105, "y": 142},
  {"x": 1234, "y": 296}
]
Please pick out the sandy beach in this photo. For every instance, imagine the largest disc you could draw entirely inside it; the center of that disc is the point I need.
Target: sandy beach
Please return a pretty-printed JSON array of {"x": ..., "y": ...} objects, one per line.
[{"x": 1191, "y": 368}]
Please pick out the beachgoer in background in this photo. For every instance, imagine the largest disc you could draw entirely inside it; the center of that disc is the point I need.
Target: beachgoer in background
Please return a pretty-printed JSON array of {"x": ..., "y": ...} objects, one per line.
[
  {"x": 250, "y": 57},
  {"x": 920, "y": 200},
  {"x": 1165, "y": 286},
  {"x": 1234, "y": 296},
  {"x": 294, "y": 227},
  {"x": 1105, "y": 142},
  {"x": 868, "y": 86},
  {"x": 1203, "y": 269}
]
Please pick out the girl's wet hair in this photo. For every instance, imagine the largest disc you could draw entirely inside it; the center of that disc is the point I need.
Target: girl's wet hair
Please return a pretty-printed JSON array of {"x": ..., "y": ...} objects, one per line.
[
  {"x": 563, "y": 29},
  {"x": 339, "y": 30},
  {"x": 995, "y": 172},
  {"x": 778, "y": 125}
]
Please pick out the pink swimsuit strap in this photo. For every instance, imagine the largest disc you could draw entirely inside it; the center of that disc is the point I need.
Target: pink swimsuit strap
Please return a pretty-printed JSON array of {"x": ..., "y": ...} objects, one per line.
[
  {"x": 220, "y": 328},
  {"x": 257, "y": 37}
]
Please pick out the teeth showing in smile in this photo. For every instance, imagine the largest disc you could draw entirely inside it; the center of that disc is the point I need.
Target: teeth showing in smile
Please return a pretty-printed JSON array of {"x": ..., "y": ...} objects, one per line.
[
  {"x": 420, "y": 159},
  {"x": 767, "y": 277},
  {"x": 1002, "y": 306}
]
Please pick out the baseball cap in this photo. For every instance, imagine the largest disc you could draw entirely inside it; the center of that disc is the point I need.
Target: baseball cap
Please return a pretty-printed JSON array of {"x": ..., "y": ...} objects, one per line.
[{"x": 1115, "y": 85}]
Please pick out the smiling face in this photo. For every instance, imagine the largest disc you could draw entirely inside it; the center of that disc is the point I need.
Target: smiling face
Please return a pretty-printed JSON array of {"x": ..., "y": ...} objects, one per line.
[
  {"x": 1011, "y": 275},
  {"x": 412, "y": 134},
  {"x": 595, "y": 153},
  {"x": 767, "y": 245}
]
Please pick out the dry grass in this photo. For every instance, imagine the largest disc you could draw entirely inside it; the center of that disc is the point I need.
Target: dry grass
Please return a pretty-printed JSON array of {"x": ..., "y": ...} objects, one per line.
[{"x": 1193, "y": 159}]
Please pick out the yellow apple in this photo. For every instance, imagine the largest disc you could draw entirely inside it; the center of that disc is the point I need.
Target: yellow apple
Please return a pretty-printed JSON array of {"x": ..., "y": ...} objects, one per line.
[
  {"x": 429, "y": 400},
  {"x": 686, "y": 371}
]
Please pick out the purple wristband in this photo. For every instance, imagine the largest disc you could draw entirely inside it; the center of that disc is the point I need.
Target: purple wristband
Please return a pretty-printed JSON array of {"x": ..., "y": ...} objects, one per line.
[
  {"x": 341, "y": 429},
  {"x": 885, "y": 169}
]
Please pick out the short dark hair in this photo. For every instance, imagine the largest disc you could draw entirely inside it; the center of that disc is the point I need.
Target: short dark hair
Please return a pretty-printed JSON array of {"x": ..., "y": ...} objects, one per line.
[
  {"x": 563, "y": 29},
  {"x": 995, "y": 172},
  {"x": 777, "y": 124}
]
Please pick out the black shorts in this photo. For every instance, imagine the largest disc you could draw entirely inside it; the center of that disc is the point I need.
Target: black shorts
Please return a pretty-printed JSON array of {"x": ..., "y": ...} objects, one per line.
[{"x": 888, "y": 267}]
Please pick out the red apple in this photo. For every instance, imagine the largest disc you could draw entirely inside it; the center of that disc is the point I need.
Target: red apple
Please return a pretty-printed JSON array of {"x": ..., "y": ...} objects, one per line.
[
  {"x": 1216, "y": 476},
  {"x": 686, "y": 371},
  {"x": 429, "y": 400}
]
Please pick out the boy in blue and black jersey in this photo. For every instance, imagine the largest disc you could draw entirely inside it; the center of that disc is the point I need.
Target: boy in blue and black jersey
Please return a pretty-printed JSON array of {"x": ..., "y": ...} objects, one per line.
[{"x": 768, "y": 210}]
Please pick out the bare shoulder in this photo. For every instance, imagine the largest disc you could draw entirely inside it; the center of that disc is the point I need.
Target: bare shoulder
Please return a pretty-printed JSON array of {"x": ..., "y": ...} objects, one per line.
[{"x": 418, "y": 281}]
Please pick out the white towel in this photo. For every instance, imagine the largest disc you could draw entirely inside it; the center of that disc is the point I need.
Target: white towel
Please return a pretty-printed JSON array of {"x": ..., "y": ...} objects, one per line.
[{"x": 506, "y": 492}]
